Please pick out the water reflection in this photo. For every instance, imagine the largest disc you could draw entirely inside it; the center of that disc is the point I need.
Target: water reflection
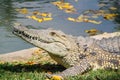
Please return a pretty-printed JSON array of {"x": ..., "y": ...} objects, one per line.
[
  {"x": 8, "y": 15},
  {"x": 8, "y": 41}
]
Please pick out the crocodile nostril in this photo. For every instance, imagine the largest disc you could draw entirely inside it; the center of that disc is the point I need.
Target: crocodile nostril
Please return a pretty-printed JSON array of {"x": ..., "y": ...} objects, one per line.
[
  {"x": 63, "y": 36},
  {"x": 30, "y": 37},
  {"x": 19, "y": 32}
]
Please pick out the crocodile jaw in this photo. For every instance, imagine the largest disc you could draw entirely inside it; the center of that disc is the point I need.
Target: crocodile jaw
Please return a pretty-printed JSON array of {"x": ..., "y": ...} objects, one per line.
[{"x": 56, "y": 43}]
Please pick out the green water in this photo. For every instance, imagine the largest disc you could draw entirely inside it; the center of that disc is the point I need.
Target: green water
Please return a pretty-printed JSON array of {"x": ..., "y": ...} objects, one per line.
[{"x": 9, "y": 15}]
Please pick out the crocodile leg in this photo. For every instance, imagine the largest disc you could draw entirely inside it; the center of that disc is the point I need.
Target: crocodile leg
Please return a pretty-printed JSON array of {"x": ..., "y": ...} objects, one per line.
[{"x": 73, "y": 71}]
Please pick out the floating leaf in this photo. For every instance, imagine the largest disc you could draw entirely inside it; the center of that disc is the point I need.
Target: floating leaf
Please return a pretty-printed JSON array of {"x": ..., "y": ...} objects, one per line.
[
  {"x": 113, "y": 8},
  {"x": 22, "y": 11},
  {"x": 94, "y": 16},
  {"x": 67, "y": 7},
  {"x": 101, "y": 5},
  {"x": 110, "y": 16},
  {"x": 71, "y": 19},
  {"x": 83, "y": 18},
  {"x": 39, "y": 19},
  {"x": 47, "y": 19},
  {"x": 43, "y": 14},
  {"x": 92, "y": 32},
  {"x": 94, "y": 21}
]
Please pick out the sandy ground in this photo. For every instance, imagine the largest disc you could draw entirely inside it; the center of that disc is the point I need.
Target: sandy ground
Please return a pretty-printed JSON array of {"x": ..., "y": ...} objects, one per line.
[
  {"x": 27, "y": 54},
  {"x": 21, "y": 55}
]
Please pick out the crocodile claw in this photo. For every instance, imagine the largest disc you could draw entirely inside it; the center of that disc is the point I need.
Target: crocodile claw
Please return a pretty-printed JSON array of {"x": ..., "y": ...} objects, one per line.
[{"x": 54, "y": 77}]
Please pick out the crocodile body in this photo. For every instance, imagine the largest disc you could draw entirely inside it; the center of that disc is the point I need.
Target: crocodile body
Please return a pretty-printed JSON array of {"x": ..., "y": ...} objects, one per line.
[{"x": 77, "y": 54}]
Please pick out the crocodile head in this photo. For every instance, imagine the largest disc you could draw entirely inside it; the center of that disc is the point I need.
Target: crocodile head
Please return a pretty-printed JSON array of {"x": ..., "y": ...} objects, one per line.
[{"x": 54, "y": 42}]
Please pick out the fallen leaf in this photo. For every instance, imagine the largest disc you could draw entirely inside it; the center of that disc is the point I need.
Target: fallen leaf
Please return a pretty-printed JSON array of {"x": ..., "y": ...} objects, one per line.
[
  {"x": 2, "y": 62},
  {"x": 47, "y": 19},
  {"x": 55, "y": 77},
  {"x": 101, "y": 5},
  {"x": 23, "y": 11},
  {"x": 67, "y": 7},
  {"x": 92, "y": 32},
  {"x": 40, "y": 20},
  {"x": 71, "y": 19},
  {"x": 109, "y": 16},
  {"x": 30, "y": 63},
  {"x": 113, "y": 8},
  {"x": 42, "y": 14},
  {"x": 84, "y": 18},
  {"x": 94, "y": 21}
]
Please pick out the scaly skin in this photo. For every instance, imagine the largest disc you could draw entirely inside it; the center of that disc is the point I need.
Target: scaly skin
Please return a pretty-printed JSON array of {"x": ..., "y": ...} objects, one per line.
[{"x": 77, "y": 54}]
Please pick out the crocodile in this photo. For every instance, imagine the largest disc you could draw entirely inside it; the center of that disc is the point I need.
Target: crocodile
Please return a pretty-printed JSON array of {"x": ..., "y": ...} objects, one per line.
[{"x": 77, "y": 54}]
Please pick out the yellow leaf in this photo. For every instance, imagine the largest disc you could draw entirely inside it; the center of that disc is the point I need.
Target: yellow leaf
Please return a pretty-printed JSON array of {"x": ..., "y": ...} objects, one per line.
[
  {"x": 101, "y": 5},
  {"x": 2, "y": 62},
  {"x": 42, "y": 14},
  {"x": 28, "y": 17},
  {"x": 30, "y": 63},
  {"x": 67, "y": 7},
  {"x": 110, "y": 16},
  {"x": 38, "y": 51},
  {"x": 71, "y": 19},
  {"x": 36, "y": 12},
  {"x": 45, "y": 14},
  {"x": 92, "y": 31},
  {"x": 47, "y": 19},
  {"x": 57, "y": 3},
  {"x": 65, "y": 3},
  {"x": 113, "y": 8},
  {"x": 56, "y": 77},
  {"x": 70, "y": 10},
  {"x": 22, "y": 11},
  {"x": 34, "y": 17},
  {"x": 95, "y": 22},
  {"x": 40, "y": 20},
  {"x": 94, "y": 16}
]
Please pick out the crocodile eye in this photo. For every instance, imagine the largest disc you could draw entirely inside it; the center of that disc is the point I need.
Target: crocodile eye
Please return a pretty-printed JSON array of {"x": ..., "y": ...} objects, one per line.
[{"x": 52, "y": 33}]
